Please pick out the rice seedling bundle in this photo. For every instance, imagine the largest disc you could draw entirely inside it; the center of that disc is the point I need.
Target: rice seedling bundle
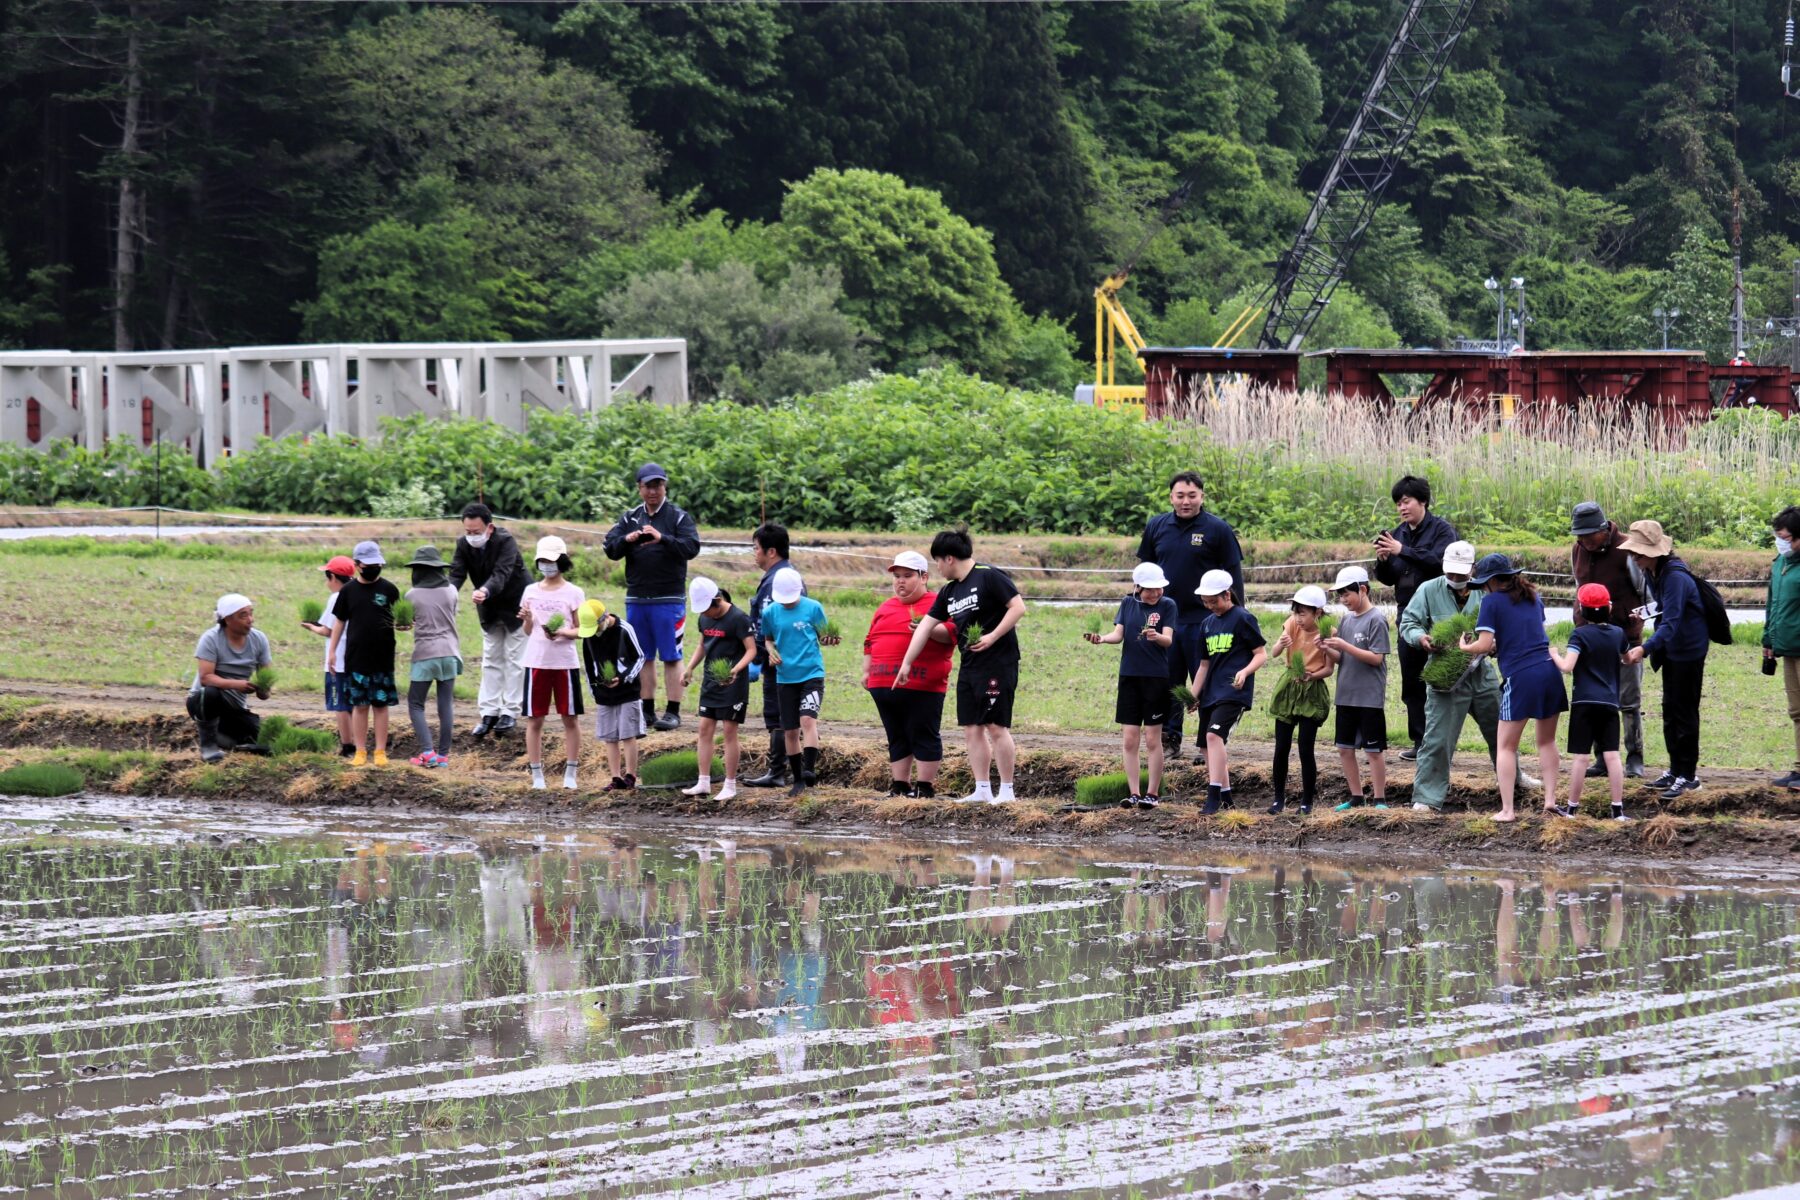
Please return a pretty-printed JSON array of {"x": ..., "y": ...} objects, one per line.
[
  {"x": 263, "y": 679},
  {"x": 311, "y": 611},
  {"x": 41, "y": 779},
  {"x": 554, "y": 623},
  {"x": 1108, "y": 789},
  {"x": 1183, "y": 695},
  {"x": 1448, "y": 662},
  {"x": 718, "y": 672},
  {"x": 679, "y": 766},
  {"x": 403, "y": 614}
]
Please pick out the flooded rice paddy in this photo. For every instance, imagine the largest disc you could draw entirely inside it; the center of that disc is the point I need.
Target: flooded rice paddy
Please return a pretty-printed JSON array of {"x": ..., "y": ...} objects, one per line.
[{"x": 238, "y": 1002}]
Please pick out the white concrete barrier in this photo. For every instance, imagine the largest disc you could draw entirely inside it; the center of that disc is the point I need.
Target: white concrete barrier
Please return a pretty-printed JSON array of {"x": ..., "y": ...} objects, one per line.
[
  {"x": 48, "y": 396},
  {"x": 181, "y": 389}
]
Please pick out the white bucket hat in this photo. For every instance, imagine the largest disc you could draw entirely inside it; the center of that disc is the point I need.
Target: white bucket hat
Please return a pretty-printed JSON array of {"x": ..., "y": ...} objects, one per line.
[
  {"x": 786, "y": 587},
  {"x": 1312, "y": 595},
  {"x": 1148, "y": 575},
  {"x": 701, "y": 593},
  {"x": 550, "y": 548},
  {"x": 1214, "y": 583}
]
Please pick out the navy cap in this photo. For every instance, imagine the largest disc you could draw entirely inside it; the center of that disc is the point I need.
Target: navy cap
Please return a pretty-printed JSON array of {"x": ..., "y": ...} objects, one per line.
[
  {"x": 1587, "y": 518},
  {"x": 650, "y": 471},
  {"x": 1492, "y": 566}
]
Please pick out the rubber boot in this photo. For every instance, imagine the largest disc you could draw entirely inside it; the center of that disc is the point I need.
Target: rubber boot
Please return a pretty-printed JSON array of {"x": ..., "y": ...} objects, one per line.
[{"x": 209, "y": 742}]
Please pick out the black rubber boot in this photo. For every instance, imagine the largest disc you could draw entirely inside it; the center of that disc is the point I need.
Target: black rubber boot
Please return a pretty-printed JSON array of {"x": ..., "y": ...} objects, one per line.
[
  {"x": 209, "y": 742},
  {"x": 797, "y": 769}
]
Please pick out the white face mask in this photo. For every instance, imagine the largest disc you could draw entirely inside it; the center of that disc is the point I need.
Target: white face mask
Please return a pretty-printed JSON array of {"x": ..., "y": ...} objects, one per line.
[
  {"x": 549, "y": 570},
  {"x": 1783, "y": 545},
  {"x": 476, "y": 540}
]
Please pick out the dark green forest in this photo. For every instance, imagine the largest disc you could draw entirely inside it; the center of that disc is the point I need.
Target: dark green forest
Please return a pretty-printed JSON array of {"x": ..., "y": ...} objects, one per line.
[{"x": 810, "y": 191}]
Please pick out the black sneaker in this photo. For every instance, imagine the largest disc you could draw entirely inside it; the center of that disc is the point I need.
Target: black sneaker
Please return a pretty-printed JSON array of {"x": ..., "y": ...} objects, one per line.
[
  {"x": 1212, "y": 806},
  {"x": 1681, "y": 786},
  {"x": 483, "y": 727},
  {"x": 1596, "y": 771},
  {"x": 506, "y": 725},
  {"x": 1666, "y": 779},
  {"x": 667, "y": 723},
  {"x": 1791, "y": 779},
  {"x": 1129, "y": 802},
  {"x": 1171, "y": 750},
  {"x": 617, "y": 784},
  {"x": 1305, "y": 805},
  {"x": 1563, "y": 810},
  {"x": 1410, "y": 754},
  {"x": 1148, "y": 800},
  {"x": 1279, "y": 804},
  {"x": 770, "y": 778},
  {"x": 799, "y": 788},
  {"x": 1618, "y": 812}
]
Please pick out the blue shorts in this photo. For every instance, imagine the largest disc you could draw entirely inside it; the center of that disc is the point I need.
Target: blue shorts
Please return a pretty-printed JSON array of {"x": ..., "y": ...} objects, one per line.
[
  {"x": 659, "y": 625},
  {"x": 337, "y": 692},
  {"x": 371, "y": 691},
  {"x": 1533, "y": 693}
]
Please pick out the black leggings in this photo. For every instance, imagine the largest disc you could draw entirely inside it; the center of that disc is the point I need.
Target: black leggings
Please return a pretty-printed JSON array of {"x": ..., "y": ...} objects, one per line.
[{"x": 1309, "y": 766}]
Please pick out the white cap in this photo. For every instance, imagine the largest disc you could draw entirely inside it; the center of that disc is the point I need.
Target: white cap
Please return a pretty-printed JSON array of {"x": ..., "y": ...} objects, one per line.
[
  {"x": 550, "y": 548},
  {"x": 911, "y": 560},
  {"x": 1350, "y": 576},
  {"x": 701, "y": 593},
  {"x": 230, "y": 603},
  {"x": 1148, "y": 575},
  {"x": 786, "y": 586},
  {"x": 1312, "y": 595},
  {"x": 1459, "y": 557},
  {"x": 1213, "y": 583}
]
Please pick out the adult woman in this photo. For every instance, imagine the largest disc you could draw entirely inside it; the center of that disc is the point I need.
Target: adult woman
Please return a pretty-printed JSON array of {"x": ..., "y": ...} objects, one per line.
[
  {"x": 1510, "y": 626},
  {"x": 912, "y": 709},
  {"x": 225, "y": 656}
]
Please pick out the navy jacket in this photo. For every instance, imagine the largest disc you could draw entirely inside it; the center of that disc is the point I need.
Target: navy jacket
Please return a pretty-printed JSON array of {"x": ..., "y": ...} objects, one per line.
[
  {"x": 1186, "y": 550},
  {"x": 500, "y": 568},
  {"x": 1421, "y": 557},
  {"x": 655, "y": 570},
  {"x": 1680, "y": 621}
]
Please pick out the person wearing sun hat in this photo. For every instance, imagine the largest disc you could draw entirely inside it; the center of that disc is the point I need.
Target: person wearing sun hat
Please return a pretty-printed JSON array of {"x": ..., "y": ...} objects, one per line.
[
  {"x": 225, "y": 657},
  {"x": 1678, "y": 649},
  {"x": 436, "y": 654},
  {"x": 338, "y": 571},
  {"x": 1302, "y": 699},
  {"x": 366, "y": 609},
  {"x": 1476, "y": 694},
  {"x": 912, "y": 713},
  {"x": 1144, "y": 627},
  {"x": 1510, "y": 626}
]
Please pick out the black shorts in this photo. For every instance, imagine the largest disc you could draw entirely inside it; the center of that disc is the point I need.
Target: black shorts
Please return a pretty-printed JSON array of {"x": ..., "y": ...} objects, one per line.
[
  {"x": 1360, "y": 728},
  {"x": 913, "y": 721},
  {"x": 984, "y": 693},
  {"x": 1593, "y": 728},
  {"x": 732, "y": 714},
  {"x": 1143, "y": 700},
  {"x": 800, "y": 700},
  {"x": 1220, "y": 719}
]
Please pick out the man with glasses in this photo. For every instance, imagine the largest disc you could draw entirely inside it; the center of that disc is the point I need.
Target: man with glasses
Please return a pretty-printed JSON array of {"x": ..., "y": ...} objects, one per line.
[{"x": 1477, "y": 693}]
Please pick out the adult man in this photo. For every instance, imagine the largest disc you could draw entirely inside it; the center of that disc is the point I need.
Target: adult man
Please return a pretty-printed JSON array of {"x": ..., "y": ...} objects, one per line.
[
  {"x": 1597, "y": 558},
  {"x": 1781, "y": 624},
  {"x": 656, "y": 540},
  {"x": 978, "y": 607},
  {"x": 1187, "y": 542},
  {"x": 1405, "y": 558},
  {"x": 769, "y": 548},
  {"x": 1477, "y": 693},
  {"x": 1678, "y": 648},
  {"x": 488, "y": 557},
  {"x": 225, "y": 657}
]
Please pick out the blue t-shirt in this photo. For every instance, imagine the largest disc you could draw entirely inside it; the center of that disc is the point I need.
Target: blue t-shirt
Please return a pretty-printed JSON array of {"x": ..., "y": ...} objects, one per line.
[
  {"x": 1518, "y": 629},
  {"x": 794, "y": 632},
  {"x": 1229, "y": 642},
  {"x": 1596, "y": 672},
  {"x": 1141, "y": 657}
]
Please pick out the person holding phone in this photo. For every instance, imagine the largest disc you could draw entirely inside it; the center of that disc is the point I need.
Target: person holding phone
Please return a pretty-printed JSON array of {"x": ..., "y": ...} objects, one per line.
[{"x": 1405, "y": 557}]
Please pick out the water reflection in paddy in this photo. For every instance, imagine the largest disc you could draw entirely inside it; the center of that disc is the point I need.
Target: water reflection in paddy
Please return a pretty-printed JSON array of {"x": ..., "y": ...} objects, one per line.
[{"x": 279, "y": 1003}]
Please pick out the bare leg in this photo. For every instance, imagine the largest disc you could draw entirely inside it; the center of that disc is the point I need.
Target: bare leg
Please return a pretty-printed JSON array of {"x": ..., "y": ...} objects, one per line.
[
  {"x": 1001, "y": 738},
  {"x": 1547, "y": 763},
  {"x": 631, "y": 755},
  {"x": 612, "y": 758},
  {"x": 1578, "y": 765},
  {"x": 901, "y": 769},
  {"x": 975, "y": 741},
  {"x": 672, "y": 682},
  {"x": 381, "y": 729},
  {"x": 1131, "y": 757},
  {"x": 809, "y": 733},
  {"x": 1218, "y": 761},
  {"x": 1378, "y": 773},
  {"x": 534, "y": 740},
  {"x": 1615, "y": 778},
  {"x": 1506, "y": 765},
  {"x": 1156, "y": 762},
  {"x": 359, "y": 727},
  {"x": 731, "y": 750},
  {"x": 1352, "y": 772},
  {"x": 571, "y": 739}
]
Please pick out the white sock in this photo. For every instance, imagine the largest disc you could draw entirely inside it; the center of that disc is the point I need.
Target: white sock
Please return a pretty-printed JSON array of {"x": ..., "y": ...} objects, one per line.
[
  {"x": 571, "y": 774},
  {"x": 702, "y": 786},
  {"x": 537, "y": 775},
  {"x": 1006, "y": 793},
  {"x": 983, "y": 792},
  {"x": 730, "y": 788}
]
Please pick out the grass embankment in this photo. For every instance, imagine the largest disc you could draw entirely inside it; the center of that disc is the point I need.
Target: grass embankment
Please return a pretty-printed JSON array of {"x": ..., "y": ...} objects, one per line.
[{"x": 142, "y": 606}]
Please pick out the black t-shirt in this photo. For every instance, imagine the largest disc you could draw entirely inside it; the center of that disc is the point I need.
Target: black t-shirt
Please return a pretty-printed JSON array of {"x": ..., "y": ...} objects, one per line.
[
  {"x": 722, "y": 641},
  {"x": 979, "y": 598},
  {"x": 1231, "y": 642},
  {"x": 367, "y": 610},
  {"x": 1142, "y": 658},
  {"x": 1596, "y": 673}
]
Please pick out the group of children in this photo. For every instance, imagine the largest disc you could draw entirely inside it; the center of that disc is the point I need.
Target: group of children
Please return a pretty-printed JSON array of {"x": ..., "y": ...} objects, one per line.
[{"x": 1313, "y": 646}]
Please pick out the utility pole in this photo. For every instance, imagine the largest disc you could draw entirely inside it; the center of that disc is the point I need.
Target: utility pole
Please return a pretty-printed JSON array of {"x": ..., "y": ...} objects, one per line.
[{"x": 1737, "y": 279}]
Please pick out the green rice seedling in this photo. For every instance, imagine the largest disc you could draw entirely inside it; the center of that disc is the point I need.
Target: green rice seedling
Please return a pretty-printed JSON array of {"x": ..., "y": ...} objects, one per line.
[
  {"x": 263, "y": 680},
  {"x": 295, "y": 740},
  {"x": 718, "y": 671},
  {"x": 830, "y": 632},
  {"x": 1183, "y": 695},
  {"x": 679, "y": 766},
  {"x": 403, "y": 614},
  {"x": 1448, "y": 662},
  {"x": 971, "y": 633},
  {"x": 1560, "y": 631},
  {"x": 41, "y": 779},
  {"x": 1098, "y": 623},
  {"x": 608, "y": 672},
  {"x": 311, "y": 611},
  {"x": 1327, "y": 625},
  {"x": 554, "y": 623},
  {"x": 1108, "y": 789}
]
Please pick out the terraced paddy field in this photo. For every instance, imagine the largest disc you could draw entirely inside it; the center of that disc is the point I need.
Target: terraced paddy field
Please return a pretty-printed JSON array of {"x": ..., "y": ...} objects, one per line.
[{"x": 207, "y": 999}]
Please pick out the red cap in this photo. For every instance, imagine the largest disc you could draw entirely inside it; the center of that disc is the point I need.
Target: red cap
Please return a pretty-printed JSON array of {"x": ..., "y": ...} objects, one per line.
[
  {"x": 340, "y": 565},
  {"x": 1594, "y": 595}
]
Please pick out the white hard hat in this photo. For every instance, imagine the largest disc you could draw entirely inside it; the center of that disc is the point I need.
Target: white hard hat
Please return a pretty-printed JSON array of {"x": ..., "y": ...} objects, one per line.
[
  {"x": 786, "y": 587},
  {"x": 550, "y": 548},
  {"x": 1312, "y": 595},
  {"x": 1214, "y": 583},
  {"x": 1148, "y": 575},
  {"x": 1350, "y": 577},
  {"x": 701, "y": 593},
  {"x": 1459, "y": 557}
]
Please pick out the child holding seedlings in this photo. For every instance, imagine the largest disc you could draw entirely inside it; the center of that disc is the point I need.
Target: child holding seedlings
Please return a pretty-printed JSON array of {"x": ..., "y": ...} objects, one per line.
[
  {"x": 727, "y": 648},
  {"x": 365, "y": 610},
  {"x": 436, "y": 656},
  {"x": 613, "y": 659},
  {"x": 551, "y": 612},
  {"x": 1360, "y": 649},
  {"x": 794, "y": 627},
  {"x": 320, "y": 620},
  {"x": 912, "y": 712},
  {"x": 1145, "y": 627},
  {"x": 1510, "y": 626},
  {"x": 1595, "y": 657},
  {"x": 1225, "y": 683},
  {"x": 1302, "y": 699}
]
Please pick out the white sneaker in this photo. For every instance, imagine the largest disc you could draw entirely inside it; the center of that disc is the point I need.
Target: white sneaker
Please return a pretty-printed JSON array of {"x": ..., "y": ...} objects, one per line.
[
  {"x": 571, "y": 776},
  {"x": 702, "y": 787},
  {"x": 537, "y": 779},
  {"x": 1423, "y": 808},
  {"x": 729, "y": 791}
]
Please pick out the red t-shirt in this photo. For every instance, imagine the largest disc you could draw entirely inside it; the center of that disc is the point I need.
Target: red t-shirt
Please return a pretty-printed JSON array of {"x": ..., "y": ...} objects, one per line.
[{"x": 890, "y": 633}]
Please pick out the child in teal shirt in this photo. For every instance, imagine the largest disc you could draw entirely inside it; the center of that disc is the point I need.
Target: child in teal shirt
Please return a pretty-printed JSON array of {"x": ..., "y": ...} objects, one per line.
[{"x": 794, "y": 627}]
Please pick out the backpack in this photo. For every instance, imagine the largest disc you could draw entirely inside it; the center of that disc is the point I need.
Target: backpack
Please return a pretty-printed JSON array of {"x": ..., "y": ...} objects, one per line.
[{"x": 1712, "y": 607}]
